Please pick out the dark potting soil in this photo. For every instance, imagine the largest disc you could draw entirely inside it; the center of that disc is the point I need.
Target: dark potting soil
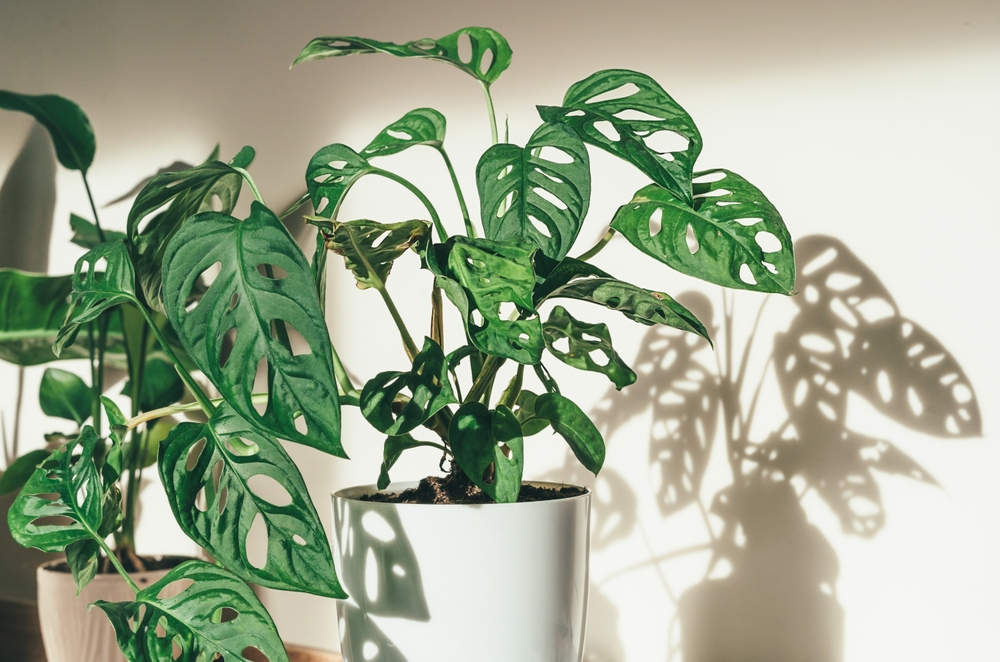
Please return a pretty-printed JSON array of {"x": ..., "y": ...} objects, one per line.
[{"x": 456, "y": 488}]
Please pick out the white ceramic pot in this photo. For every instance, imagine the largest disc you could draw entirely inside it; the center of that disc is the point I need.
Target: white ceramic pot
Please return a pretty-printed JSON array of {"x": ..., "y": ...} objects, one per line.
[
  {"x": 452, "y": 583},
  {"x": 70, "y": 632}
]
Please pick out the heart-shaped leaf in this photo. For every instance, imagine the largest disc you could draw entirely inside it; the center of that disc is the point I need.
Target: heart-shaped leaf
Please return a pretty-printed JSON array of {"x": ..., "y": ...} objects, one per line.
[
  {"x": 631, "y": 116},
  {"x": 216, "y": 615},
  {"x": 391, "y": 450},
  {"x": 97, "y": 291},
  {"x": 489, "y": 449},
  {"x": 370, "y": 248},
  {"x": 423, "y": 126},
  {"x": 221, "y": 477},
  {"x": 538, "y": 194},
  {"x": 575, "y": 427},
  {"x": 86, "y": 235},
  {"x": 429, "y": 387},
  {"x": 331, "y": 173},
  {"x": 244, "y": 300},
  {"x": 72, "y": 134},
  {"x": 62, "y": 501},
  {"x": 582, "y": 341},
  {"x": 731, "y": 236},
  {"x": 482, "y": 278},
  {"x": 65, "y": 395},
  {"x": 480, "y": 52}
]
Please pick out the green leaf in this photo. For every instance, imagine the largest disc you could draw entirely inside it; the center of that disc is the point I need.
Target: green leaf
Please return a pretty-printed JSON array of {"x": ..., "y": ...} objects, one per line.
[
  {"x": 112, "y": 467},
  {"x": 150, "y": 445},
  {"x": 82, "y": 557},
  {"x": 481, "y": 277},
  {"x": 243, "y": 158},
  {"x": 369, "y": 248},
  {"x": 243, "y": 300},
  {"x": 161, "y": 385},
  {"x": 575, "y": 427},
  {"x": 582, "y": 341},
  {"x": 489, "y": 449},
  {"x": 20, "y": 470},
  {"x": 731, "y": 236},
  {"x": 72, "y": 134},
  {"x": 194, "y": 620},
  {"x": 32, "y": 310},
  {"x": 393, "y": 448},
  {"x": 220, "y": 477},
  {"x": 423, "y": 126},
  {"x": 331, "y": 173},
  {"x": 429, "y": 387},
  {"x": 538, "y": 194},
  {"x": 62, "y": 501},
  {"x": 489, "y": 53},
  {"x": 97, "y": 291},
  {"x": 631, "y": 116},
  {"x": 65, "y": 395},
  {"x": 85, "y": 233},
  {"x": 524, "y": 410}
]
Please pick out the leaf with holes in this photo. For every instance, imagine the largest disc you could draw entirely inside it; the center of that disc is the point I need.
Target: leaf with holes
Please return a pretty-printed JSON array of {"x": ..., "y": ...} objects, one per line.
[
  {"x": 243, "y": 300},
  {"x": 538, "y": 194},
  {"x": 215, "y": 615},
  {"x": 72, "y": 134},
  {"x": 423, "y": 126},
  {"x": 62, "y": 501},
  {"x": 575, "y": 427},
  {"x": 97, "y": 291},
  {"x": 86, "y": 235},
  {"x": 732, "y": 235},
  {"x": 482, "y": 277},
  {"x": 489, "y": 448},
  {"x": 429, "y": 387},
  {"x": 223, "y": 477},
  {"x": 582, "y": 340},
  {"x": 488, "y": 52},
  {"x": 392, "y": 450},
  {"x": 65, "y": 395},
  {"x": 370, "y": 248},
  {"x": 631, "y": 116},
  {"x": 331, "y": 173}
]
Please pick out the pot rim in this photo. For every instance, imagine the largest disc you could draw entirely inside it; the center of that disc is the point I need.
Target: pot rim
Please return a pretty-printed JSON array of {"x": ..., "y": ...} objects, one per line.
[{"x": 352, "y": 494}]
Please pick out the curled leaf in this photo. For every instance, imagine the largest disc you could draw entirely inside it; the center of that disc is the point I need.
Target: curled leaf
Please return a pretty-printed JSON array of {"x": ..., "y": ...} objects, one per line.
[{"x": 582, "y": 341}]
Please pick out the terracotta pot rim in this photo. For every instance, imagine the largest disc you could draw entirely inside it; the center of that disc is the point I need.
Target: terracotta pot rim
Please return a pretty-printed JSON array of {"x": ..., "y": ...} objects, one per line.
[{"x": 353, "y": 494}]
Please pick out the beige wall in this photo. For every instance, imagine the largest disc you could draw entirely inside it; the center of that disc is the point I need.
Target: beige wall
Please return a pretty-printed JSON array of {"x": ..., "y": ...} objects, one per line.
[{"x": 872, "y": 122}]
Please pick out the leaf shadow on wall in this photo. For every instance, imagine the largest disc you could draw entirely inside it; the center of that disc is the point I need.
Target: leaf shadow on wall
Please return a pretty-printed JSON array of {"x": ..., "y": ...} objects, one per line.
[{"x": 769, "y": 591}]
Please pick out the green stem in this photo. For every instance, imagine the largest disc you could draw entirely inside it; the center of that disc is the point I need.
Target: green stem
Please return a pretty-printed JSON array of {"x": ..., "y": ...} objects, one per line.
[
  {"x": 199, "y": 395},
  {"x": 93, "y": 208},
  {"x": 485, "y": 378},
  {"x": 249, "y": 180},
  {"x": 442, "y": 234},
  {"x": 135, "y": 457},
  {"x": 509, "y": 396},
  {"x": 491, "y": 112},
  {"x": 294, "y": 206},
  {"x": 152, "y": 415},
  {"x": 118, "y": 566},
  {"x": 408, "y": 344},
  {"x": 470, "y": 230},
  {"x": 598, "y": 247},
  {"x": 95, "y": 410},
  {"x": 340, "y": 372},
  {"x": 319, "y": 270}
]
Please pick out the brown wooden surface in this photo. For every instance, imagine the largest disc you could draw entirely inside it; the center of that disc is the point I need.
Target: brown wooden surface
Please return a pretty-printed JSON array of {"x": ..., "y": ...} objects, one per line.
[
  {"x": 20, "y": 636},
  {"x": 300, "y": 654}
]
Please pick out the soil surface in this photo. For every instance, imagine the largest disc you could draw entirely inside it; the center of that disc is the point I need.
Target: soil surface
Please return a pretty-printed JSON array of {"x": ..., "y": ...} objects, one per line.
[{"x": 456, "y": 488}]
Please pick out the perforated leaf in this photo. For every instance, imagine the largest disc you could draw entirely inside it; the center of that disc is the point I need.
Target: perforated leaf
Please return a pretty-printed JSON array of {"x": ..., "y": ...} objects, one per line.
[
  {"x": 216, "y": 614},
  {"x": 72, "y": 134},
  {"x": 220, "y": 477},
  {"x": 423, "y": 126},
  {"x": 331, "y": 173},
  {"x": 489, "y": 449},
  {"x": 574, "y": 343},
  {"x": 731, "y": 235},
  {"x": 573, "y": 425},
  {"x": 484, "y": 55},
  {"x": 370, "y": 248},
  {"x": 243, "y": 298},
  {"x": 538, "y": 194},
  {"x": 628, "y": 114}
]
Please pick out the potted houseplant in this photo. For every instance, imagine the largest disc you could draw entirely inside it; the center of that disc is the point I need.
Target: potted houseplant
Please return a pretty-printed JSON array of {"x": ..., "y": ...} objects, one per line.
[{"x": 239, "y": 295}]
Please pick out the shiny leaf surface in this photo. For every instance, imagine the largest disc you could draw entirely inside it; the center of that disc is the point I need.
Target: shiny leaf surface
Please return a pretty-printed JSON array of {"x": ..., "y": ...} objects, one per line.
[
  {"x": 72, "y": 134},
  {"x": 573, "y": 425},
  {"x": 423, "y": 126},
  {"x": 82, "y": 557},
  {"x": 391, "y": 450},
  {"x": 65, "y": 395},
  {"x": 582, "y": 341},
  {"x": 524, "y": 410},
  {"x": 370, "y": 248},
  {"x": 489, "y": 449},
  {"x": 331, "y": 173}
]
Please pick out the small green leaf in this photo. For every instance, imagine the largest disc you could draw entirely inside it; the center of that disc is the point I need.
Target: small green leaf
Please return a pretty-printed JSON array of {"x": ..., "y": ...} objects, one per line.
[
  {"x": 369, "y": 248},
  {"x": 65, "y": 395},
  {"x": 20, "y": 470},
  {"x": 161, "y": 385},
  {"x": 582, "y": 341},
  {"x": 731, "y": 236},
  {"x": 49, "y": 524},
  {"x": 214, "y": 475},
  {"x": 393, "y": 448},
  {"x": 243, "y": 158},
  {"x": 575, "y": 427},
  {"x": 429, "y": 387},
  {"x": 489, "y": 52},
  {"x": 423, "y": 126},
  {"x": 524, "y": 410},
  {"x": 72, "y": 134},
  {"x": 631, "y": 116},
  {"x": 82, "y": 557},
  {"x": 489, "y": 448},
  {"x": 149, "y": 628},
  {"x": 85, "y": 233},
  {"x": 538, "y": 194},
  {"x": 112, "y": 467},
  {"x": 331, "y": 173},
  {"x": 243, "y": 300}
]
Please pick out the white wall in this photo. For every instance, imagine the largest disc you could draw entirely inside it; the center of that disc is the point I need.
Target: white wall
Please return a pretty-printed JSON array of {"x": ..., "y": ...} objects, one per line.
[{"x": 873, "y": 122}]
